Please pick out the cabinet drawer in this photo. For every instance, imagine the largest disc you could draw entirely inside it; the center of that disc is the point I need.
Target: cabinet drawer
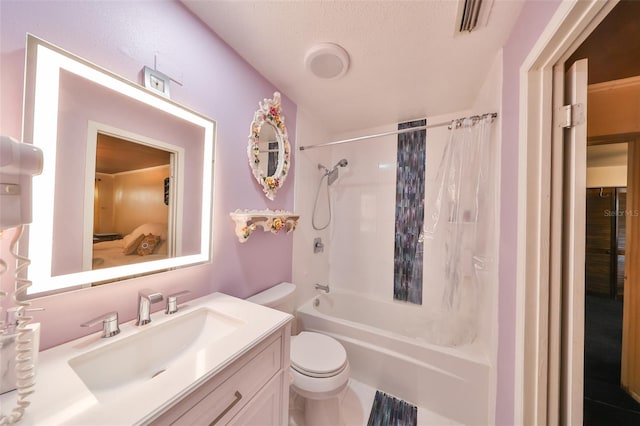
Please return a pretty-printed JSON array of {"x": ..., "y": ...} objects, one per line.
[{"x": 225, "y": 395}]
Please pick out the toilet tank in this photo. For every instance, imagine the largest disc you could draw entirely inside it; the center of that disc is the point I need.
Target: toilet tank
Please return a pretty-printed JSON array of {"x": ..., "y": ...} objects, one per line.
[{"x": 278, "y": 297}]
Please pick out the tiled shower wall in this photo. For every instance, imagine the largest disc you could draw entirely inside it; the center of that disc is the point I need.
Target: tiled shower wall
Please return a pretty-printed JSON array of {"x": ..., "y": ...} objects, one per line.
[
  {"x": 363, "y": 234},
  {"x": 410, "y": 190}
]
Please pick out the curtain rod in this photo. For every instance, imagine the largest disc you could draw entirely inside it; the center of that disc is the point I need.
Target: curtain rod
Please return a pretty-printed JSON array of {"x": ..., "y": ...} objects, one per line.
[{"x": 397, "y": 132}]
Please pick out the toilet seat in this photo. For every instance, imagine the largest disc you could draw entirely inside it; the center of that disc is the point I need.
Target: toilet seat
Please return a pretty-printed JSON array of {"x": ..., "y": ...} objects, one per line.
[{"x": 317, "y": 355}]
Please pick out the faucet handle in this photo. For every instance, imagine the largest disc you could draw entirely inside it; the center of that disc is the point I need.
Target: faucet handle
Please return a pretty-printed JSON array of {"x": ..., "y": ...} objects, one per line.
[
  {"x": 109, "y": 323},
  {"x": 172, "y": 302},
  {"x": 14, "y": 314}
]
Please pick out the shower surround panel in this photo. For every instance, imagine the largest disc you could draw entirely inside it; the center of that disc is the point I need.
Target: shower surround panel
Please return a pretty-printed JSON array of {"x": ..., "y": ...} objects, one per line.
[{"x": 410, "y": 187}]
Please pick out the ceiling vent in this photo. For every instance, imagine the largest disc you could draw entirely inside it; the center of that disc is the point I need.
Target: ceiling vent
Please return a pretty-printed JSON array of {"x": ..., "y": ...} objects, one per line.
[{"x": 473, "y": 14}]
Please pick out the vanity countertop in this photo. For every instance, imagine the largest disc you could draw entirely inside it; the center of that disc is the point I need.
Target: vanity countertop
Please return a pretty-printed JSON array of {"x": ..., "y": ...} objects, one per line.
[{"x": 61, "y": 397}]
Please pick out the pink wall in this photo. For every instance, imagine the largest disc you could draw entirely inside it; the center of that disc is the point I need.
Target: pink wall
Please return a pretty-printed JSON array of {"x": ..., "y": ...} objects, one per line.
[
  {"x": 533, "y": 19},
  {"x": 123, "y": 37}
]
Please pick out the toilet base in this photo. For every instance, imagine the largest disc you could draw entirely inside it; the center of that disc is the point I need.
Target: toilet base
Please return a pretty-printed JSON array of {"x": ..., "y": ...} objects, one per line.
[{"x": 323, "y": 412}]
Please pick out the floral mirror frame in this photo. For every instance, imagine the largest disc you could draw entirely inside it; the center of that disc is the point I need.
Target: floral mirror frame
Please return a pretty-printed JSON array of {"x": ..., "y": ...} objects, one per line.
[{"x": 269, "y": 114}]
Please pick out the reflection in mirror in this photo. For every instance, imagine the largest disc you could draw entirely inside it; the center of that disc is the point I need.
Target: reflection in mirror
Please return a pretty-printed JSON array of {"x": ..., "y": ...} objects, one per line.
[
  {"x": 74, "y": 111},
  {"x": 130, "y": 206},
  {"x": 269, "y": 148}
]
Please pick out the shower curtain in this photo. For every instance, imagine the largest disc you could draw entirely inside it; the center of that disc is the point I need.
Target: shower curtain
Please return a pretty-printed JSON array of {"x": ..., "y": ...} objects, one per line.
[{"x": 460, "y": 224}]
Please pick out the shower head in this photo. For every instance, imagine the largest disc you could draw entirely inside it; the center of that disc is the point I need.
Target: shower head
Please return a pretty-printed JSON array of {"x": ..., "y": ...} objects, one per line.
[
  {"x": 332, "y": 176},
  {"x": 342, "y": 163},
  {"x": 334, "y": 173}
]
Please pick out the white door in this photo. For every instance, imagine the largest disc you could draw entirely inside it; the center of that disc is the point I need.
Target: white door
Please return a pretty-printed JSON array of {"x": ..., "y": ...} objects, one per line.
[
  {"x": 574, "y": 218},
  {"x": 631, "y": 310}
]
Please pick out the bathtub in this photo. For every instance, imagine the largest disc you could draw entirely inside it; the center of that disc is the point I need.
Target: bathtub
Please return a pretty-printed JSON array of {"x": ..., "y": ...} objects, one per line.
[{"x": 388, "y": 348}]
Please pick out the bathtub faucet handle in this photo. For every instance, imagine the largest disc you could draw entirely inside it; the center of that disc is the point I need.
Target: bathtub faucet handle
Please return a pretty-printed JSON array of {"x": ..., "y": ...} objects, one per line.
[{"x": 324, "y": 288}]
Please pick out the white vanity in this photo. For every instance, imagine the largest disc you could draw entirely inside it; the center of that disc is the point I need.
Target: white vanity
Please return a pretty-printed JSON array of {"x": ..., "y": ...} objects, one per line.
[
  {"x": 248, "y": 392},
  {"x": 218, "y": 360}
]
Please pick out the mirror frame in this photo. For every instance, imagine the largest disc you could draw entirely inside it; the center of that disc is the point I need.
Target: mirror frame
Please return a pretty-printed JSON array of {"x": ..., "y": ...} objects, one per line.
[
  {"x": 270, "y": 113},
  {"x": 44, "y": 62}
]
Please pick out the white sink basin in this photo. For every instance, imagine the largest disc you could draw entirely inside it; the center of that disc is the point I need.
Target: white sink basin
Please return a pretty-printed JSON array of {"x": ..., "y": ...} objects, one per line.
[{"x": 140, "y": 357}]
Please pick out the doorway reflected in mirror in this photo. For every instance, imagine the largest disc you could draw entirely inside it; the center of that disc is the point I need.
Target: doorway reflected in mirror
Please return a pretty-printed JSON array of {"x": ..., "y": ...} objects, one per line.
[{"x": 130, "y": 217}]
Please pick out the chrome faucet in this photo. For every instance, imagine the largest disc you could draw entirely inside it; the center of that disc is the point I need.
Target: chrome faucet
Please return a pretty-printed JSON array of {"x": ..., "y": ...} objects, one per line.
[
  {"x": 324, "y": 288},
  {"x": 109, "y": 324},
  {"x": 145, "y": 298}
]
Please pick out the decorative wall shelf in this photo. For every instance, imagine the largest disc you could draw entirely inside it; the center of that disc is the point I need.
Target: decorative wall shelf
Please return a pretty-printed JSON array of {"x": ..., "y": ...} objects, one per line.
[{"x": 271, "y": 221}]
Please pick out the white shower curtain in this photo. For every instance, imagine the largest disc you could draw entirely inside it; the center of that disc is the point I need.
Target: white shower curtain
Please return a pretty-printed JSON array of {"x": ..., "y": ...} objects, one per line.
[{"x": 460, "y": 225}]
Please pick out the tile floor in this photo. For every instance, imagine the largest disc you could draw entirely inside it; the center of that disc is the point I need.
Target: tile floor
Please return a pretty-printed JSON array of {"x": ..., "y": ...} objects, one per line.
[
  {"x": 357, "y": 406},
  {"x": 604, "y": 400}
]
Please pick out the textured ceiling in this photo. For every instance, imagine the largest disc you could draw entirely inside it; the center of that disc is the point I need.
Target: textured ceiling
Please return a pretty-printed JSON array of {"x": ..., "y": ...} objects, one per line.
[{"x": 407, "y": 60}]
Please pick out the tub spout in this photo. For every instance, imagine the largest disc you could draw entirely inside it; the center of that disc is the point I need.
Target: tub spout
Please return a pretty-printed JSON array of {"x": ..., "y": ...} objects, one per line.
[{"x": 324, "y": 288}]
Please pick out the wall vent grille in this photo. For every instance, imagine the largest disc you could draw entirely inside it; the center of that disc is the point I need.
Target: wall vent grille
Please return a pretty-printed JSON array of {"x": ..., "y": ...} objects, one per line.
[
  {"x": 473, "y": 15},
  {"x": 470, "y": 15}
]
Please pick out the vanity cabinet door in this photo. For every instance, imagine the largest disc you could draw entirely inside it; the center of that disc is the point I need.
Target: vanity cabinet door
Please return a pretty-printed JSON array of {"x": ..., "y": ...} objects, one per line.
[
  {"x": 266, "y": 407},
  {"x": 251, "y": 384},
  {"x": 228, "y": 398}
]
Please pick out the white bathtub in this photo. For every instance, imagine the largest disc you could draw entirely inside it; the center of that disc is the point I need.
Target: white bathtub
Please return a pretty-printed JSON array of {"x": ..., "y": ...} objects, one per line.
[{"x": 387, "y": 347}]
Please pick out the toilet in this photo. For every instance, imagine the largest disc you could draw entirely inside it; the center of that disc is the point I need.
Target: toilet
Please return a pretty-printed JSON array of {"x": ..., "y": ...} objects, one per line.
[{"x": 319, "y": 365}]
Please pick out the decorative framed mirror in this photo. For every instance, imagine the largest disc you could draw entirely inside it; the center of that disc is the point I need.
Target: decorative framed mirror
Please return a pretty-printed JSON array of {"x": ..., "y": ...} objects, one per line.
[{"x": 269, "y": 149}]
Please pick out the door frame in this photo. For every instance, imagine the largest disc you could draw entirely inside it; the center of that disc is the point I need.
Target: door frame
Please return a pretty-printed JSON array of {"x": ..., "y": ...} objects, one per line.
[{"x": 539, "y": 321}]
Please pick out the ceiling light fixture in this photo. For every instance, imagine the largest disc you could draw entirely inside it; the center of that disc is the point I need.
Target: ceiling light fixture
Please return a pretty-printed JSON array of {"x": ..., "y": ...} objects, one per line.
[{"x": 327, "y": 61}]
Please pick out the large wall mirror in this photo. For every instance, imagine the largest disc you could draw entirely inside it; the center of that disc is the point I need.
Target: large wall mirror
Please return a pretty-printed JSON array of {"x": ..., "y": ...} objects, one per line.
[{"x": 126, "y": 188}]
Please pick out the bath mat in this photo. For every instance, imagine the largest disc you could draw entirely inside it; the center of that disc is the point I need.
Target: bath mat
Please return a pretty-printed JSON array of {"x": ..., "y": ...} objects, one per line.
[{"x": 390, "y": 411}]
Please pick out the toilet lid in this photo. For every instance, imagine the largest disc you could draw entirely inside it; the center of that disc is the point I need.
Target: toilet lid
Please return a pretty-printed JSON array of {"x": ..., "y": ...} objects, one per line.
[{"x": 317, "y": 355}]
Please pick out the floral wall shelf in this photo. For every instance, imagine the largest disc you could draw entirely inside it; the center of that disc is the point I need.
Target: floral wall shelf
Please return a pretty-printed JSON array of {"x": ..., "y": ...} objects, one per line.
[{"x": 271, "y": 221}]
